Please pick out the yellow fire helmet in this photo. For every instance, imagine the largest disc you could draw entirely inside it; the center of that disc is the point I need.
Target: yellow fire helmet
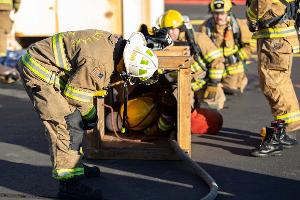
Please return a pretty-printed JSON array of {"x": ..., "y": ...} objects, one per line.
[
  {"x": 220, "y": 6},
  {"x": 171, "y": 19},
  {"x": 141, "y": 113},
  {"x": 140, "y": 61}
]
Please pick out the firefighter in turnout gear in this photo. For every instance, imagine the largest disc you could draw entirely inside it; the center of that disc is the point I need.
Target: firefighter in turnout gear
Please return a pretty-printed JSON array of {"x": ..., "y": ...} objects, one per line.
[
  {"x": 207, "y": 67},
  {"x": 6, "y": 6},
  {"x": 233, "y": 38},
  {"x": 62, "y": 74},
  {"x": 273, "y": 24}
]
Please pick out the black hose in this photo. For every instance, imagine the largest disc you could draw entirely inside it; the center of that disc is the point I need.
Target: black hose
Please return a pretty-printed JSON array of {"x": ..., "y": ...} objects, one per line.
[{"x": 196, "y": 168}]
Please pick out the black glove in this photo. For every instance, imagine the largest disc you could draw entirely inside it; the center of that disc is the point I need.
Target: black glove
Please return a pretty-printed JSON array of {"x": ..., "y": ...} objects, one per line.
[{"x": 90, "y": 123}]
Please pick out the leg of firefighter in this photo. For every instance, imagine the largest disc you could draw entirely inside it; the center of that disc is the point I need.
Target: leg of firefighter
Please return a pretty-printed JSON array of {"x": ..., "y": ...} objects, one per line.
[
  {"x": 59, "y": 118},
  {"x": 5, "y": 28},
  {"x": 234, "y": 84},
  {"x": 275, "y": 62}
]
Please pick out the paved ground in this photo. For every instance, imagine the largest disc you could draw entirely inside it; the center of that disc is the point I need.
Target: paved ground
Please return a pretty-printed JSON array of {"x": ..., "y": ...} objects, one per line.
[{"x": 25, "y": 166}]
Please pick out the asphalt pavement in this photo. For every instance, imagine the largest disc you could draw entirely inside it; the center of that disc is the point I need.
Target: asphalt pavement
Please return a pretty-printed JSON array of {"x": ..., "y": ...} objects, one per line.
[{"x": 26, "y": 169}]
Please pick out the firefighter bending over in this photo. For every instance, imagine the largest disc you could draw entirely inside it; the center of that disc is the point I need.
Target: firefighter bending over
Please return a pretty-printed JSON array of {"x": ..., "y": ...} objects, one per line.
[
  {"x": 273, "y": 24},
  {"x": 62, "y": 75},
  {"x": 233, "y": 39},
  {"x": 207, "y": 67}
]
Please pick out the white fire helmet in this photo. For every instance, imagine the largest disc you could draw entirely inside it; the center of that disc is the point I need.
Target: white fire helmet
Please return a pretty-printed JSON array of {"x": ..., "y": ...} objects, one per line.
[{"x": 140, "y": 61}]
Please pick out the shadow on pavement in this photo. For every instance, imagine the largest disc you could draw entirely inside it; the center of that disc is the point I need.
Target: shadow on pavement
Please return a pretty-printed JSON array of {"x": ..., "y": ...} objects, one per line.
[
  {"x": 26, "y": 179},
  {"x": 242, "y": 185},
  {"x": 233, "y": 140}
]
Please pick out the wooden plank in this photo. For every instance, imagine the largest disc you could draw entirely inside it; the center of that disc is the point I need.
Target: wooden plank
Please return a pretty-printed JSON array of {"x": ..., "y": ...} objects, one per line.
[
  {"x": 184, "y": 110},
  {"x": 173, "y": 63},
  {"x": 174, "y": 51}
]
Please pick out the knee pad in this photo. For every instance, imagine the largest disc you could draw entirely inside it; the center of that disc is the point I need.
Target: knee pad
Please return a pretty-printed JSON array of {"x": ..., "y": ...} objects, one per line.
[{"x": 74, "y": 125}]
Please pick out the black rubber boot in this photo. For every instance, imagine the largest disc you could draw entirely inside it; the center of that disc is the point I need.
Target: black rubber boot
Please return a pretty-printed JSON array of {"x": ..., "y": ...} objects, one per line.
[
  {"x": 77, "y": 189},
  {"x": 268, "y": 147},
  {"x": 281, "y": 136},
  {"x": 91, "y": 171}
]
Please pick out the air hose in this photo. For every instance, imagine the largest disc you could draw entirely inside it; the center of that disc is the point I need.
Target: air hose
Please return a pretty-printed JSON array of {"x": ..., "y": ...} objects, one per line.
[{"x": 198, "y": 170}]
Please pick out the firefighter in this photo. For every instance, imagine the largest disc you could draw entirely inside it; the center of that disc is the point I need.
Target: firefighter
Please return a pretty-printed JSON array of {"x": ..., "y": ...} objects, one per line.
[
  {"x": 6, "y": 7},
  {"x": 233, "y": 39},
  {"x": 205, "y": 85},
  {"x": 62, "y": 74},
  {"x": 273, "y": 24}
]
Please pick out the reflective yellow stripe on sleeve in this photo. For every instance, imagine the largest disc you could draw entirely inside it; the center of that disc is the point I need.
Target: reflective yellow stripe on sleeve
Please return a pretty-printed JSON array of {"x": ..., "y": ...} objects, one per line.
[
  {"x": 215, "y": 74},
  {"x": 289, "y": 117},
  {"x": 195, "y": 67},
  {"x": 78, "y": 95},
  {"x": 44, "y": 74},
  {"x": 198, "y": 84},
  {"x": 7, "y": 2},
  {"x": 243, "y": 55},
  {"x": 212, "y": 55},
  {"x": 59, "y": 52},
  {"x": 227, "y": 51},
  {"x": 230, "y": 70}
]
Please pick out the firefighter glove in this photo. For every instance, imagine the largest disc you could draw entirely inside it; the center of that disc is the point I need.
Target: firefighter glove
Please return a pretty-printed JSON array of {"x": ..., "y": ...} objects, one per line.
[
  {"x": 89, "y": 124},
  {"x": 211, "y": 91}
]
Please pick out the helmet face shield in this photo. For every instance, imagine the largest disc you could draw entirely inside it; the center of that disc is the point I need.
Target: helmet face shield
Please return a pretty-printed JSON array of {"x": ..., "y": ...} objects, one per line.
[{"x": 140, "y": 61}]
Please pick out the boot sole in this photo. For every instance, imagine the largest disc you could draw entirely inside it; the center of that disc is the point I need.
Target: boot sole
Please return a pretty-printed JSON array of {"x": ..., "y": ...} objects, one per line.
[{"x": 275, "y": 153}]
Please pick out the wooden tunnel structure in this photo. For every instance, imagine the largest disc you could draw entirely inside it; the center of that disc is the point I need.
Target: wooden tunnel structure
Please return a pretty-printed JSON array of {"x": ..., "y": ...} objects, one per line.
[{"x": 100, "y": 144}]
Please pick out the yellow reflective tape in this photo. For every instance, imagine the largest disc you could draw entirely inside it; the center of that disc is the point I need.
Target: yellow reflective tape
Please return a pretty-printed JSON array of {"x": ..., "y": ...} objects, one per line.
[
  {"x": 64, "y": 174},
  {"x": 251, "y": 14},
  {"x": 227, "y": 51},
  {"x": 44, "y": 74},
  {"x": 215, "y": 73},
  {"x": 296, "y": 49},
  {"x": 77, "y": 94},
  {"x": 7, "y": 1},
  {"x": 198, "y": 84},
  {"x": 235, "y": 69},
  {"x": 275, "y": 33},
  {"x": 90, "y": 113},
  {"x": 209, "y": 57},
  {"x": 59, "y": 52},
  {"x": 242, "y": 53},
  {"x": 289, "y": 117}
]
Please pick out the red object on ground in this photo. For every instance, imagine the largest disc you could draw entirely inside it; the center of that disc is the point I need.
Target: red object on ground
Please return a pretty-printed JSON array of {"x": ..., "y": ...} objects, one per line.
[{"x": 206, "y": 121}]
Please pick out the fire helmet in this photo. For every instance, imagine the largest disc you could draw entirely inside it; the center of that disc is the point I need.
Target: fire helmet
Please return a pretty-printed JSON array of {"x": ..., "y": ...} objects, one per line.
[
  {"x": 171, "y": 19},
  {"x": 140, "y": 61},
  {"x": 141, "y": 113},
  {"x": 220, "y": 6}
]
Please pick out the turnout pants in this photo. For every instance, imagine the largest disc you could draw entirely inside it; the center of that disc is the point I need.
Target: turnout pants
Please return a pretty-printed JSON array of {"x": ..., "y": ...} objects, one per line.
[
  {"x": 5, "y": 28},
  {"x": 61, "y": 120},
  {"x": 275, "y": 64}
]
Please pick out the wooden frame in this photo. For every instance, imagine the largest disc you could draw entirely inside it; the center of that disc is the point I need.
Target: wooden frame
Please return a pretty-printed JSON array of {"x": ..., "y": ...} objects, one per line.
[{"x": 99, "y": 145}]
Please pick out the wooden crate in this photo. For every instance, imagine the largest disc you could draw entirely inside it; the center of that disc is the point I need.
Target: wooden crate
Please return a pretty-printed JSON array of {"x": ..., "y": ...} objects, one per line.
[{"x": 102, "y": 145}]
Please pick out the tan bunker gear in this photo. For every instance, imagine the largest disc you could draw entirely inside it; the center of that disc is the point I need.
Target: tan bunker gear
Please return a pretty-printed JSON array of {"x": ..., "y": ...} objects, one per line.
[
  {"x": 235, "y": 43},
  {"x": 5, "y": 22},
  {"x": 63, "y": 73},
  {"x": 276, "y": 44}
]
